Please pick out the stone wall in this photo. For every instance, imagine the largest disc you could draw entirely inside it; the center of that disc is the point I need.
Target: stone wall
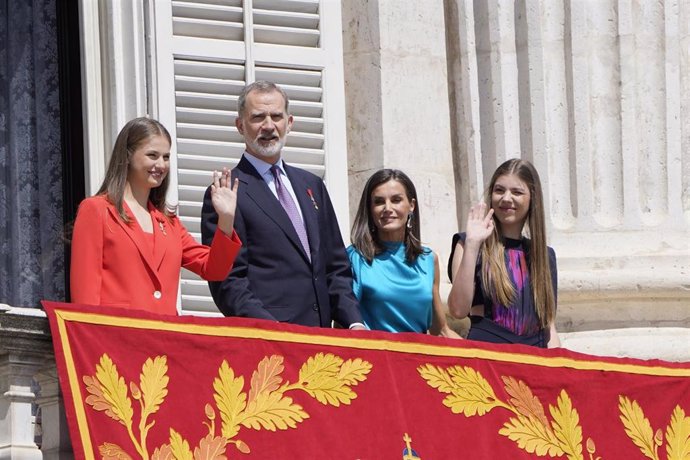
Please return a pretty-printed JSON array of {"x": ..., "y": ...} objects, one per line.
[
  {"x": 595, "y": 94},
  {"x": 397, "y": 105}
]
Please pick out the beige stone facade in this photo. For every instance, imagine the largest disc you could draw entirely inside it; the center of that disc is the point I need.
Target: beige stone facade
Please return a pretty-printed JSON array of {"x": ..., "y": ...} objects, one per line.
[{"x": 595, "y": 94}]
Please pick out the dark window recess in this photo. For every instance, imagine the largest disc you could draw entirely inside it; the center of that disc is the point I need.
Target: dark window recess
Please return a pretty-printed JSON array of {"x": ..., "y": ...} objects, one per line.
[{"x": 71, "y": 124}]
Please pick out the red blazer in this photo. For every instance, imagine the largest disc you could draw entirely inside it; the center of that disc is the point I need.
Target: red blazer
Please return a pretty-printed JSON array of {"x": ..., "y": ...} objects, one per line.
[{"x": 114, "y": 264}]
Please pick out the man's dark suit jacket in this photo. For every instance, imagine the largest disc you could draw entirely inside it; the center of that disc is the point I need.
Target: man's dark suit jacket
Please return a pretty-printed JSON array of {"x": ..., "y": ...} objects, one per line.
[{"x": 272, "y": 277}]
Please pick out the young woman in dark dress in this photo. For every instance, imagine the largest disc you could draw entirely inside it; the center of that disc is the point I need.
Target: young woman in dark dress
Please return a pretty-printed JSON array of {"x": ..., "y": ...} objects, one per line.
[{"x": 506, "y": 282}]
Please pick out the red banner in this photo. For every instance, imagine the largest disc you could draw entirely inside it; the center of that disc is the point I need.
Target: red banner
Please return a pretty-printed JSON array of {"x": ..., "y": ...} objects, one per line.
[{"x": 138, "y": 385}]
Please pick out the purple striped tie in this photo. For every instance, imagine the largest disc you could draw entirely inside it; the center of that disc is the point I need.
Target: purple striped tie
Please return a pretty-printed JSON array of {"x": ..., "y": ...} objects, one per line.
[{"x": 291, "y": 209}]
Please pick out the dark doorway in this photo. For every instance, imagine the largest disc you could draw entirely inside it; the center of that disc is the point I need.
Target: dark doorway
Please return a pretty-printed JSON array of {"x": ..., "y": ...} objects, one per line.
[{"x": 71, "y": 120}]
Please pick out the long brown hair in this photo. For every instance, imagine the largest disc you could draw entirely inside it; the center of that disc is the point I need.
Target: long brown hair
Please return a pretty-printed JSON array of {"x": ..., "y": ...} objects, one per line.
[
  {"x": 132, "y": 135},
  {"x": 494, "y": 271},
  {"x": 364, "y": 234}
]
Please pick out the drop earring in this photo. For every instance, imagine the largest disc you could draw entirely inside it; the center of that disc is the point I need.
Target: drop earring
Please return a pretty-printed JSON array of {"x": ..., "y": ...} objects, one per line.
[{"x": 409, "y": 221}]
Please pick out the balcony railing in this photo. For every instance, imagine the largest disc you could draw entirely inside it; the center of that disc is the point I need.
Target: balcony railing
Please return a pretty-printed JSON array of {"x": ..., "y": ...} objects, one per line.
[{"x": 32, "y": 417}]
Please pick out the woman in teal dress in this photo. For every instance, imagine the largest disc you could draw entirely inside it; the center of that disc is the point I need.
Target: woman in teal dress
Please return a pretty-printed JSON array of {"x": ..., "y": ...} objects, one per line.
[{"x": 395, "y": 278}]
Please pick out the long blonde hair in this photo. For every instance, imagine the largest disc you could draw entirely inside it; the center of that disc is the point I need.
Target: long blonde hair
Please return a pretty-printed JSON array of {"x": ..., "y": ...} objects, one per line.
[{"x": 494, "y": 272}]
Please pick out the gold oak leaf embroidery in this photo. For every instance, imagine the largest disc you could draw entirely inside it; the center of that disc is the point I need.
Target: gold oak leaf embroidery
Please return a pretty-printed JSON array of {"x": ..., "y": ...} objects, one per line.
[
  {"x": 329, "y": 379},
  {"x": 110, "y": 451},
  {"x": 437, "y": 378},
  {"x": 179, "y": 447},
  {"x": 531, "y": 435},
  {"x": 211, "y": 448},
  {"x": 318, "y": 377},
  {"x": 531, "y": 428},
  {"x": 326, "y": 377},
  {"x": 163, "y": 452},
  {"x": 678, "y": 436},
  {"x": 272, "y": 411},
  {"x": 154, "y": 389},
  {"x": 354, "y": 371},
  {"x": 96, "y": 398},
  {"x": 230, "y": 399},
  {"x": 266, "y": 378},
  {"x": 640, "y": 431},
  {"x": 524, "y": 400},
  {"x": 154, "y": 384},
  {"x": 566, "y": 426},
  {"x": 471, "y": 394},
  {"x": 637, "y": 427},
  {"x": 109, "y": 392}
]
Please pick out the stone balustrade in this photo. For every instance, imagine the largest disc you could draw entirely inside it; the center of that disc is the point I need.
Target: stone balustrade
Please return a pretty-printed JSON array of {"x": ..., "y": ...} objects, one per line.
[{"x": 32, "y": 419}]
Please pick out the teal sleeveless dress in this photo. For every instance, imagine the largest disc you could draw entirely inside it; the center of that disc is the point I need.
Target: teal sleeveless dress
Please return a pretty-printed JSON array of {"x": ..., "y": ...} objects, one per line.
[{"x": 393, "y": 295}]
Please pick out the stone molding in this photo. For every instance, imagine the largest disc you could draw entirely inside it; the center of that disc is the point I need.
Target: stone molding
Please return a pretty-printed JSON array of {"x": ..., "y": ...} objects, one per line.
[{"x": 26, "y": 361}]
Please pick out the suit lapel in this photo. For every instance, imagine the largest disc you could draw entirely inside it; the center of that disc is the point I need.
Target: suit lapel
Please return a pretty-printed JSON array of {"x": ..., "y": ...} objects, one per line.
[
  {"x": 135, "y": 234},
  {"x": 161, "y": 235},
  {"x": 257, "y": 190}
]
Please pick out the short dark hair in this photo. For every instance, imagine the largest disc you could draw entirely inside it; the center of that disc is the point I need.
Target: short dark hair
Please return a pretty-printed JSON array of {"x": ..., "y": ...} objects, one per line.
[
  {"x": 364, "y": 234},
  {"x": 261, "y": 86}
]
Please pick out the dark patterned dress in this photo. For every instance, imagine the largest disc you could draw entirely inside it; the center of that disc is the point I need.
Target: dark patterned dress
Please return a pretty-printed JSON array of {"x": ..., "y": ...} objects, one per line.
[{"x": 517, "y": 323}]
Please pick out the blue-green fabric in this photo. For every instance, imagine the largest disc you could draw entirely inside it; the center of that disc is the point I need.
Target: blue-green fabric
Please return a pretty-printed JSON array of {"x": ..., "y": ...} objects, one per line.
[{"x": 393, "y": 295}]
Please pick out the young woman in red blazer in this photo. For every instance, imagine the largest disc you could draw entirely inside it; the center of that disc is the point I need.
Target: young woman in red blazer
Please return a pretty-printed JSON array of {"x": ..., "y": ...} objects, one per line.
[{"x": 127, "y": 246}]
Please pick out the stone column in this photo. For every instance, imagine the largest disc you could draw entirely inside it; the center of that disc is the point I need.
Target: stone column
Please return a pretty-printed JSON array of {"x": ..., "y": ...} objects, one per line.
[
  {"x": 116, "y": 64},
  {"x": 396, "y": 91},
  {"x": 625, "y": 241},
  {"x": 24, "y": 346},
  {"x": 55, "y": 441},
  {"x": 599, "y": 92},
  {"x": 463, "y": 89}
]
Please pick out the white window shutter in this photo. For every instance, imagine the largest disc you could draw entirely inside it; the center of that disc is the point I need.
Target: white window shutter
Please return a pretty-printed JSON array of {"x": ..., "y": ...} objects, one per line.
[
  {"x": 286, "y": 22},
  {"x": 206, "y": 51}
]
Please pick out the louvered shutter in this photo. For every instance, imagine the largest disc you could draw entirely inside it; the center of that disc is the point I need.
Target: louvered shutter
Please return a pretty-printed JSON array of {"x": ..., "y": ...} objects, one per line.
[{"x": 206, "y": 51}]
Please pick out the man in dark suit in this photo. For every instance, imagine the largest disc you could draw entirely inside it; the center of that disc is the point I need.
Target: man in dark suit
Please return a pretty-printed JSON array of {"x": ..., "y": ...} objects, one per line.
[{"x": 292, "y": 266}]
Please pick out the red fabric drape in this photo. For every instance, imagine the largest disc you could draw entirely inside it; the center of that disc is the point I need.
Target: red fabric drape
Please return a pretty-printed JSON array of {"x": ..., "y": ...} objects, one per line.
[{"x": 138, "y": 385}]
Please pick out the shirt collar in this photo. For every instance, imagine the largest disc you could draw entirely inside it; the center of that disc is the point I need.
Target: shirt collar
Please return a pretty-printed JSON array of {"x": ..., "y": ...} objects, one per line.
[{"x": 261, "y": 166}]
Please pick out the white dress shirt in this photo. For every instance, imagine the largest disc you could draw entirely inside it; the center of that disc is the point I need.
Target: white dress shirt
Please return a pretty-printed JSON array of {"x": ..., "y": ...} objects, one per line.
[{"x": 264, "y": 170}]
